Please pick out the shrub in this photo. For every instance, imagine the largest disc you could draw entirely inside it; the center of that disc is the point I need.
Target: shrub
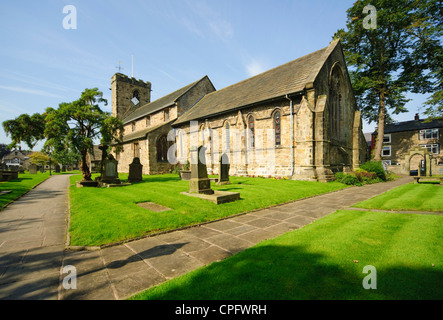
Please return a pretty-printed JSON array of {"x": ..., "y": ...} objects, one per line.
[
  {"x": 349, "y": 179},
  {"x": 375, "y": 167}
]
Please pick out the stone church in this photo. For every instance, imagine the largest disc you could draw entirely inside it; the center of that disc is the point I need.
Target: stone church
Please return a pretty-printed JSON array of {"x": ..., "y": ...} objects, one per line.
[{"x": 298, "y": 120}]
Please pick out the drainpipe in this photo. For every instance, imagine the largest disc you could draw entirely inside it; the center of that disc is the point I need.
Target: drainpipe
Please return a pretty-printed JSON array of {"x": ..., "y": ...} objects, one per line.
[{"x": 292, "y": 134}]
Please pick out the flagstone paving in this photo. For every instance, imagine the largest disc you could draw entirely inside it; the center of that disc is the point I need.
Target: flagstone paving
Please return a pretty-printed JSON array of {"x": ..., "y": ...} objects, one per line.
[{"x": 32, "y": 254}]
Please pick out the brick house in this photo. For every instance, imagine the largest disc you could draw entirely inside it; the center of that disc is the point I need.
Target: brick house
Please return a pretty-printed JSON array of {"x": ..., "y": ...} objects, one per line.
[
  {"x": 402, "y": 137},
  {"x": 297, "y": 120}
]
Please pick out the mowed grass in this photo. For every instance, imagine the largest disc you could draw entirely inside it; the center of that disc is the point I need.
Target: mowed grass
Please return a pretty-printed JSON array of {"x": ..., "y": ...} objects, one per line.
[
  {"x": 106, "y": 215},
  {"x": 20, "y": 186},
  {"x": 421, "y": 197},
  {"x": 325, "y": 260}
]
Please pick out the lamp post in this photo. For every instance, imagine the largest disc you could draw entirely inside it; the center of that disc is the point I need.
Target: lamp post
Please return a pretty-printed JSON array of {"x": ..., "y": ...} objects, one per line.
[{"x": 50, "y": 172}]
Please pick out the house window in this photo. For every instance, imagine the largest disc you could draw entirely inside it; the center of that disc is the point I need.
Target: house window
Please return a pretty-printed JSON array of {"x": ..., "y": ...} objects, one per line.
[
  {"x": 136, "y": 149},
  {"x": 387, "y": 138},
  {"x": 251, "y": 132},
  {"x": 432, "y": 148},
  {"x": 386, "y": 152},
  {"x": 277, "y": 128},
  {"x": 148, "y": 121},
  {"x": 428, "y": 134},
  {"x": 162, "y": 149}
]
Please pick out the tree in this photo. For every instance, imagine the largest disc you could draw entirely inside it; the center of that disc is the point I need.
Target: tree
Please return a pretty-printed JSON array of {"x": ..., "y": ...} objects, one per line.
[
  {"x": 41, "y": 159},
  {"x": 25, "y": 128},
  {"x": 74, "y": 126},
  {"x": 388, "y": 61}
]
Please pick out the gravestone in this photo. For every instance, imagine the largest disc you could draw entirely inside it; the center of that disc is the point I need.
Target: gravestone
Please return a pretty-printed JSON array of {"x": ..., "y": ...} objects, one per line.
[
  {"x": 63, "y": 168},
  {"x": 110, "y": 173},
  {"x": 135, "y": 171},
  {"x": 57, "y": 169},
  {"x": 199, "y": 182},
  {"x": 224, "y": 170},
  {"x": 33, "y": 168}
]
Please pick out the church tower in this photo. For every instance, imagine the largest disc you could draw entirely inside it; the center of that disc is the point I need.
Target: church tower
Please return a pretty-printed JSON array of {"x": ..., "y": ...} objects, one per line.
[{"x": 128, "y": 94}]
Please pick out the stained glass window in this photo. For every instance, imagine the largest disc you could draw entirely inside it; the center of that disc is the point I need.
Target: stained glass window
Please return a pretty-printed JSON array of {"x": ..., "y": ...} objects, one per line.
[{"x": 277, "y": 128}]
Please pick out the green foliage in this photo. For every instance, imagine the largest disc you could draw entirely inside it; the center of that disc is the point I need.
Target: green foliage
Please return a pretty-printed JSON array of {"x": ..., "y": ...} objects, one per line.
[
  {"x": 349, "y": 179},
  {"x": 41, "y": 159},
  {"x": 402, "y": 54},
  {"x": 73, "y": 127},
  {"x": 375, "y": 167},
  {"x": 25, "y": 128}
]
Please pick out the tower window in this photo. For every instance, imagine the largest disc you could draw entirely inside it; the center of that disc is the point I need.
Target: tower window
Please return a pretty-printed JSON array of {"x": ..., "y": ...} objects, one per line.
[{"x": 135, "y": 97}]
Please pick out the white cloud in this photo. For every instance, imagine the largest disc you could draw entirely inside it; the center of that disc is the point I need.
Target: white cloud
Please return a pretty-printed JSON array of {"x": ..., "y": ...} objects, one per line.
[
  {"x": 255, "y": 67},
  {"x": 30, "y": 91}
]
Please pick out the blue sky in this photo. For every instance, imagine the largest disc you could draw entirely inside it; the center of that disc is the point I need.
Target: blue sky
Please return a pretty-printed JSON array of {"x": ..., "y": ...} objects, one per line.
[{"x": 172, "y": 42}]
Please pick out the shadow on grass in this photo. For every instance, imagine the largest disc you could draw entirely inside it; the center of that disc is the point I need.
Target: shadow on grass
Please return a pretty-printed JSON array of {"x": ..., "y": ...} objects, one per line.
[{"x": 275, "y": 272}]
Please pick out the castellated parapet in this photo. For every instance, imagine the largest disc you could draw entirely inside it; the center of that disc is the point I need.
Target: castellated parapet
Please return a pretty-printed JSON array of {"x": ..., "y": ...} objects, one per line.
[{"x": 128, "y": 94}]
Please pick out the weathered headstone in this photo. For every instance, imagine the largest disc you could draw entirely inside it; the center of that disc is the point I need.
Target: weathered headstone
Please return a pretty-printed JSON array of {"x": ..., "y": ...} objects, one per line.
[
  {"x": 57, "y": 169},
  {"x": 63, "y": 168},
  {"x": 135, "y": 171},
  {"x": 110, "y": 173},
  {"x": 224, "y": 170},
  {"x": 33, "y": 168},
  {"x": 199, "y": 182}
]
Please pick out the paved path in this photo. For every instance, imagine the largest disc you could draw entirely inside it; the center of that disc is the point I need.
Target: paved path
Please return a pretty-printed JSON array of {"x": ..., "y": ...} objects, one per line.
[
  {"x": 32, "y": 239},
  {"x": 31, "y": 267}
]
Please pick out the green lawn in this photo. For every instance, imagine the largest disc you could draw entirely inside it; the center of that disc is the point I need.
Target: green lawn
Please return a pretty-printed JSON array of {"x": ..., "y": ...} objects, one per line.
[
  {"x": 325, "y": 260},
  {"x": 23, "y": 184},
  {"x": 106, "y": 215},
  {"x": 422, "y": 197}
]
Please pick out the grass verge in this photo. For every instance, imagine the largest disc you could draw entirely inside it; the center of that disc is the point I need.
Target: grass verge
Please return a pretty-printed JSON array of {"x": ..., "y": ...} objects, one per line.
[
  {"x": 325, "y": 260},
  {"x": 420, "y": 197},
  {"x": 20, "y": 186},
  {"x": 105, "y": 215}
]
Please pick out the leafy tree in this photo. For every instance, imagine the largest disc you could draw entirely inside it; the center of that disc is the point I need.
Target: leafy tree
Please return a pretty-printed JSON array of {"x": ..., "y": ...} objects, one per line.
[
  {"x": 41, "y": 159},
  {"x": 391, "y": 60},
  {"x": 74, "y": 126},
  {"x": 25, "y": 128},
  {"x": 4, "y": 150}
]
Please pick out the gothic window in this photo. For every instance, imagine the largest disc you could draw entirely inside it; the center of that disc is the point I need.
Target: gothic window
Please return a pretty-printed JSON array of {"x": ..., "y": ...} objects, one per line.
[
  {"x": 251, "y": 131},
  {"x": 277, "y": 128},
  {"x": 162, "y": 149},
  {"x": 336, "y": 104}
]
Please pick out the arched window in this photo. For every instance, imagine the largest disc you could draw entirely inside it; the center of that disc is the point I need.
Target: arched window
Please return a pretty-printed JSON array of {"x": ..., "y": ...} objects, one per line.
[
  {"x": 277, "y": 128},
  {"x": 336, "y": 106},
  {"x": 162, "y": 149},
  {"x": 135, "y": 97},
  {"x": 251, "y": 131},
  {"x": 227, "y": 137}
]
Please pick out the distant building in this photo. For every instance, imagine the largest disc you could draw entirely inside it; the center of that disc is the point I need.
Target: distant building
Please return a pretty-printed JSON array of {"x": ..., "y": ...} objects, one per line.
[
  {"x": 402, "y": 137},
  {"x": 17, "y": 158}
]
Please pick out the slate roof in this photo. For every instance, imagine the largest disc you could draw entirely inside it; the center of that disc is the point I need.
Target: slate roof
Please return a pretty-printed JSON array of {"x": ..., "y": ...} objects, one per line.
[
  {"x": 413, "y": 125},
  {"x": 160, "y": 103},
  {"x": 288, "y": 78},
  {"x": 141, "y": 134}
]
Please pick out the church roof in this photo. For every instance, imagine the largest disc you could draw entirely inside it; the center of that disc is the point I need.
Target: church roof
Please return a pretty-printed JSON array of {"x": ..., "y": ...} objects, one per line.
[
  {"x": 288, "y": 78},
  {"x": 160, "y": 103}
]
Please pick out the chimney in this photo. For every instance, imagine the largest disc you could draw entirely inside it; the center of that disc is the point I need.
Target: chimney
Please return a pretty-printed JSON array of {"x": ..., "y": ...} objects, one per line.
[{"x": 416, "y": 117}]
